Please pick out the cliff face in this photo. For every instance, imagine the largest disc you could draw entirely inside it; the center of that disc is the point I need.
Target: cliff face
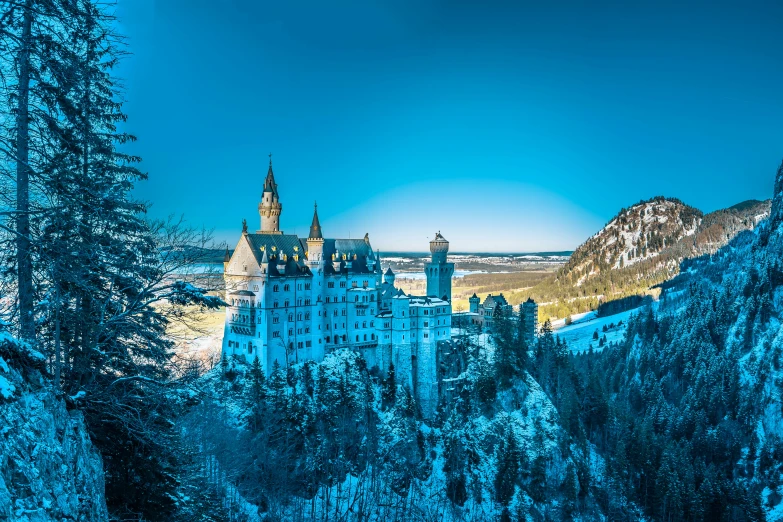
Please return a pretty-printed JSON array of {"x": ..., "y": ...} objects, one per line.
[
  {"x": 49, "y": 469},
  {"x": 777, "y": 201}
]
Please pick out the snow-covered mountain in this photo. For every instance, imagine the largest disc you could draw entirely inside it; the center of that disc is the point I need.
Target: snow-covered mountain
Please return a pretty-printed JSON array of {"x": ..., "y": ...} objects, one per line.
[{"x": 661, "y": 230}]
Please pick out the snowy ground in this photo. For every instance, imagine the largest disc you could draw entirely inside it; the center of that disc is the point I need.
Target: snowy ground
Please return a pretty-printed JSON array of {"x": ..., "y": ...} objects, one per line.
[{"x": 579, "y": 334}]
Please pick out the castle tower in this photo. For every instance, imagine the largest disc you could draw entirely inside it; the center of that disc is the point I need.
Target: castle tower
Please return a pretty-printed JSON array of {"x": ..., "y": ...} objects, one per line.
[
  {"x": 270, "y": 208},
  {"x": 315, "y": 261},
  {"x": 439, "y": 270},
  {"x": 474, "y": 303},
  {"x": 388, "y": 277}
]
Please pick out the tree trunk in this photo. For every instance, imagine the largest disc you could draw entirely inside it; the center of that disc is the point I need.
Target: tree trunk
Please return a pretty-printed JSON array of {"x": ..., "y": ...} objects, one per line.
[{"x": 24, "y": 262}]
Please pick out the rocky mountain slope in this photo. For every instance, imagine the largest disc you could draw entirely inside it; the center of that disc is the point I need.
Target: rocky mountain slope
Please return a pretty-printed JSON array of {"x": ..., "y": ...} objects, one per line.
[
  {"x": 49, "y": 469},
  {"x": 666, "y": 229},
  {"x": 640, "y": 247}
]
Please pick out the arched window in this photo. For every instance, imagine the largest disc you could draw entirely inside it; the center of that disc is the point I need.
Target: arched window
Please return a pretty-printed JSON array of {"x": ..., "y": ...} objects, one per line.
[
  {"x": 307, "y": 316},
  {"x": 290, "y": 317},
  {"x": 357, "y": 338},
  {"x": 357, "y": 325},
  {"x": 372, "y": 298}
]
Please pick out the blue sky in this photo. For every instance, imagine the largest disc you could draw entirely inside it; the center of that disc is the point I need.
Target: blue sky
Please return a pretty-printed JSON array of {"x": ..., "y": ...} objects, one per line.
[{"x": 509, "y": 126}]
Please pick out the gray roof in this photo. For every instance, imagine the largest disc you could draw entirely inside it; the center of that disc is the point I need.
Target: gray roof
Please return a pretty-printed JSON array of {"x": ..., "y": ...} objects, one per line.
[
  {"x": 493, "y": 300},
  {"x": 282, "y": 243},
  {"x": 346, "y": 246}
]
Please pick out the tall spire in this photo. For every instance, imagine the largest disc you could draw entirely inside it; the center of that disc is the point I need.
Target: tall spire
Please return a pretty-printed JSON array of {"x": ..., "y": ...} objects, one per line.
[
  {"x": 315, "y": 228},
  {"x": 269, "y": 182}
]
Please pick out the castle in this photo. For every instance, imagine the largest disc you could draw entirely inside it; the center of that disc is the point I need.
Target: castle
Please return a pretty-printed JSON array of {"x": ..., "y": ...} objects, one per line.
[{"x": 293, "y": 299}]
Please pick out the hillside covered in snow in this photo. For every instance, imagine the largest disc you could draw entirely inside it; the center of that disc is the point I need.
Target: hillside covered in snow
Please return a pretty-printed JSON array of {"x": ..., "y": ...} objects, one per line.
[{"x": 642, "y": 246}]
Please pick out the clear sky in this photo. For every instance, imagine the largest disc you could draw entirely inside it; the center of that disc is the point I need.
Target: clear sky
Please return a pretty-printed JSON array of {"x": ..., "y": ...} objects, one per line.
[{"x": 509, "y": 126}]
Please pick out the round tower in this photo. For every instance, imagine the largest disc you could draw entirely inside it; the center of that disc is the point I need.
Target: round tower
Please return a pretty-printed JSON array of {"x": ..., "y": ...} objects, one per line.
[
  {"x": 388, "y": 277},
  {"x": 439, "y": 270},
  {"x": 439, "y": 248},
  {"x": 474, "y": 303},
  {"x": 269, "y": 208}
]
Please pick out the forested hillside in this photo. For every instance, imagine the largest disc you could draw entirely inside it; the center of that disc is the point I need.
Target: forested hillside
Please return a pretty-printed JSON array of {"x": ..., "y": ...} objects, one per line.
[
  {"x": 693, "y": 393},
  {"x": 641, "y": 247}
]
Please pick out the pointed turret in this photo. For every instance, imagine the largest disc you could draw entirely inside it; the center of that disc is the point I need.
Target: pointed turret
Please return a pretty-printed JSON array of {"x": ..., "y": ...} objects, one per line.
[
  {"x": 226, "y": 260},
  {"x": 315, "y": 227},
  {"x": 270, "y": 208}
]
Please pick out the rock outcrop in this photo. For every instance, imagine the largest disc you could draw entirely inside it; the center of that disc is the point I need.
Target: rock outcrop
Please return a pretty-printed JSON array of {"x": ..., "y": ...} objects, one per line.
[{"x": 49, "y": 469}]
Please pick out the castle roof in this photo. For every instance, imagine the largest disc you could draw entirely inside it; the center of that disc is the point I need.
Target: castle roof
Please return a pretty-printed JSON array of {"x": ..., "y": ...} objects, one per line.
[
  {"x": 315, "y": 227},
  {"x": 389, "y": 271},
  {"x": 494, "y": 300}
]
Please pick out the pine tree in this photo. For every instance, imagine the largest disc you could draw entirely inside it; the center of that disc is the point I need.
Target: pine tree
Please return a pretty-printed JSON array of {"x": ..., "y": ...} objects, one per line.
[
  {"x": 389, "y": 391},
  {"x": 507, "y": 473},
  {"x": 256, "y": 396}
]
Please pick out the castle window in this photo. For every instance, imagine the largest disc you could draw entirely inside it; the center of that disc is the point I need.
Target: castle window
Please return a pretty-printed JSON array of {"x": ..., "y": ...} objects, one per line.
[
  {"x": 364, "y": 324},
  {"x": 275, "y": 288},
  {"x": 249, "y": 347},
  {"x": 357, "y": 325},
  {"x": 275, "y": 305},
  {"x": 287, "y": 302},
  {"x": 327, "y": 338},
  {"x": 364, "y": 284},
  {"x": 275, "y": 334},
  {"x": 426, "y": 323},
  {"x": 307, "y": 286},
  {"x": 299, "y": 331},
  {"x": 357, "y": 338},
  {"x": 372, "y": 337},
  {"x": 425, "y": 312},
  {"x": 307, "y": 329},
  {"x": 299, "y": 286},
  {"x": 335, "y": 312},
  {"x": 287, "y": 288},
  {"x": 343, "y": 299},
  {"x": 372, "y": 298},
  {"x": 343, "y": 312},
  {"x": 330, "y": 284},
  {"x": 327, "y": 326},
  {"x": 290, "y": 331},
  {"x": 354, "y": 284},
  {"x": 342, "y": 284},
  {"x": 308, "y": 344},
  {"x": 290, "y": 317},
  {"x": 426, "y": 335},
  {"x": 298, "y": 302},
  {"x": 299, "y": 344},
  {"x": 365, "y": 337},
  {"x": 307, "y": 302},
  {"x": 356, "y": 299},
  {"x": 275, "y": 320},
  {"x": 299, "y": 317}
]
